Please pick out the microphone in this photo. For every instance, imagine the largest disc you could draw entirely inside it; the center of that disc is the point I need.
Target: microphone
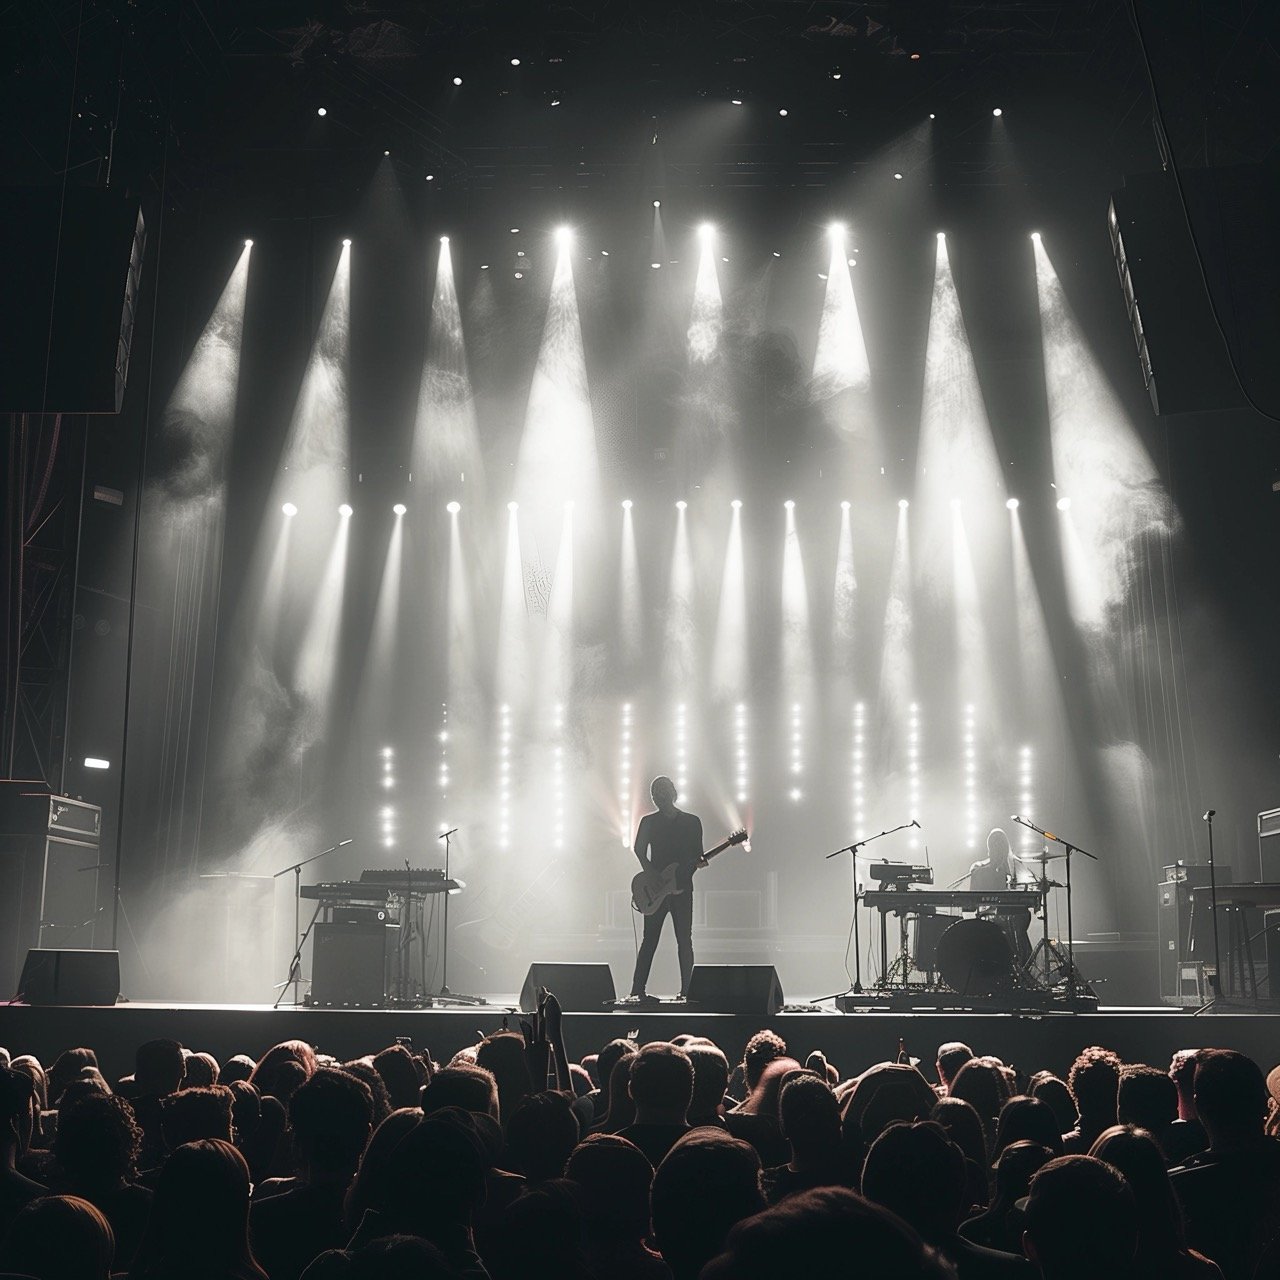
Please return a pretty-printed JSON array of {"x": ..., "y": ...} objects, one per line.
[
  {"x": 443, "y": 834},
  {"x": 915, "y": 822},
  {"x": 1013, "y": 817},
  {"x": 1208, "y": 815}
]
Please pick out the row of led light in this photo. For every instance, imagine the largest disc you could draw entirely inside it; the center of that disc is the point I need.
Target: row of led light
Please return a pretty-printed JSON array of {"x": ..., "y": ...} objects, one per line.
[
  {"x": 797, "y": 759},
  {"x": 913, "y": 767},
  {"x": 682, "y": 756},
  {"x": 504, "y": 776},
  {"x": 624, "y": 774},
  {"x": 558, "y": 786},
  {"x": 706, "y": 234},
  {"x": 741, "y": 744},
  {"x": 970, "y": 779},
  {"x": 1024, "y": 780},
  {"x": 443, "y": 778},
  {"x": 859, "y": 794},
  {"x": 453, "y": 508},
  {"x": 783, "y": 112},
  {"x": 388, "y": 813}
]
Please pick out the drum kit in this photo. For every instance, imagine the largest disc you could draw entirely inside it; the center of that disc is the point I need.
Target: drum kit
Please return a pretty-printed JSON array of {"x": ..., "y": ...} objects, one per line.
[
  {"x": 982, "y": 959},
  {"x": 970, "y": 948}
]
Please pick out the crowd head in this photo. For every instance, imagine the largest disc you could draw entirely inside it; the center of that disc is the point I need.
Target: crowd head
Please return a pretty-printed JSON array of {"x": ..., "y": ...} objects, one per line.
[{"x": 660, "y": 1161}]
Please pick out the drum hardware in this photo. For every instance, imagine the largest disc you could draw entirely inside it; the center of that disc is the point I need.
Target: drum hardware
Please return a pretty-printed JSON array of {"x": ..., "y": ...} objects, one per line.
[{"x": 1073, "y": 983}]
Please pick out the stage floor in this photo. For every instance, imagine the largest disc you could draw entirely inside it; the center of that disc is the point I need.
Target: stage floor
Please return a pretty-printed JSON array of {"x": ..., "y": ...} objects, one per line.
[{"x": 852, "y": 1041}]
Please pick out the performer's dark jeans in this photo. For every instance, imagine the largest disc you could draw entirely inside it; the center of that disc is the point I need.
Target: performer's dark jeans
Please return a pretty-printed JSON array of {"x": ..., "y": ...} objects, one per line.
[{"x": 680, "y": 908}]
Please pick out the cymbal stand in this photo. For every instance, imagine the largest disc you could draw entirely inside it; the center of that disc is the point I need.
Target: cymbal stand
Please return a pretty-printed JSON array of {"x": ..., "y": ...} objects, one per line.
[
  {"x": 856, "y": 988},
  {"x": 295, "y": 978},
  {"x": 1073, "y": 977}
]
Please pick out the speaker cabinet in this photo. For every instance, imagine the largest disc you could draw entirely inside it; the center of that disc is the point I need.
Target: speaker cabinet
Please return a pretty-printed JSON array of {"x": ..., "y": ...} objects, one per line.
[
  {"x": 74, "y": 257},
  {"x": 580, "y": 988},
  {"x": 63, "y": 976},
  {"x": 736, "y": 988},
  {"x": 351, "y": 964}
]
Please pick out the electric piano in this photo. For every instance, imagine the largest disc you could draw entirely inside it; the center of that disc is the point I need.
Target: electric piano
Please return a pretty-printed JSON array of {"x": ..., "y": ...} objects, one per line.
[
  {"x": 922, "y": 900},
  {"x": 1233, "y": 901}
]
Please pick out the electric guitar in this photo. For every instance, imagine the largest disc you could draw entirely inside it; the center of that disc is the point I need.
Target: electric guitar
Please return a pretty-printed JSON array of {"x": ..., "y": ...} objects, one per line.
[{"x": 651, "y": 888}]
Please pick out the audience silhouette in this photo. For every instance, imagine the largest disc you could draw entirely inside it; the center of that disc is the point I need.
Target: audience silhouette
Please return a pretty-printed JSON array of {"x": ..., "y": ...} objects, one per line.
[{"x": 653, "y": 1162}]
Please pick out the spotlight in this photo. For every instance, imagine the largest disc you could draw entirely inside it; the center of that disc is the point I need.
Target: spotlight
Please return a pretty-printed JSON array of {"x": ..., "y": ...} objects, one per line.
[
  {"x": 513, "y": 507},
  {"x": 457, "y": 82},
  {"x": 1012, "y": 504},
  {"x": 737, "y": 102},
  {"x": 515, "y": 231},
  {"x": 844, "y": 506},
  {"x": 657, "y": 204},
  {"x": 655, "y": 265},
  {"x": 835, "y": 75},
  {"x": 681, "y": 505},
  {"x": 776, "y": 254},
  {"x": 453, "y": 508},
  {"x": 903, "y": 504},
  {"x": 346, "y": 244},
  {"x": 96, "y": 762},
  {"x": 836, "y": 230},
  {"x": 604, "y": 253},
  {"x": 345, "y": 509},
  {"x": 515, "y": 62},
  {"x": 444, "y": 239},
  {"x": 289, "y": 509},
  {"x": 248, "y": 244},
  {"x": 736, "y": 504},
  {"x": 706, "y": 231},
  {"x": 998, "y": 112},
  {"x": 897, "y": 177},
  {"x": 942, "y": 235},
  {"x": 484, "y": 266},
  {"x": 789, "y": 504},
  {"x": 519, "y": 275},
  {"x": 1035, "y": 235},
  {"x": 399, "y": 509},
  {"x": 322, "y": 111},
  {"x": 386, "y": 153},
  {"x": 1064, "y": 504},
  {"x": 782, "y": 111},
  {"x": 933, "y": 115},
  {"x": 563, "y": 235},
  {"x": 431, "y": 177}
]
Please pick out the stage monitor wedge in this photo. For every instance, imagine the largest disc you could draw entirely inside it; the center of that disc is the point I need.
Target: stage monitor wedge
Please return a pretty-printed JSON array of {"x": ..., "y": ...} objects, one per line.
[
  {"x": 580, "y": 988},
  {"x": 736, "y": 988},
  {"x": 63, "y": 976}
]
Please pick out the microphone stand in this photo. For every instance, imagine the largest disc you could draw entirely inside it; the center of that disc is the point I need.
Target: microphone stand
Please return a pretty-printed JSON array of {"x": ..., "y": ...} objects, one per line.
[
  {"x": 1069, "y": 849},
  {"x": 295, "y": 978},
  {"x": 444, "y": 994},
  {"x": 853, "y": 848},
  {"x": 1208, "y": 817}
]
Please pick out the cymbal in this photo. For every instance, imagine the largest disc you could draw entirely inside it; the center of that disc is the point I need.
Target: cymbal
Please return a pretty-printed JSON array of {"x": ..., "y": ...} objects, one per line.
[{"x": 1045, "y": 856}]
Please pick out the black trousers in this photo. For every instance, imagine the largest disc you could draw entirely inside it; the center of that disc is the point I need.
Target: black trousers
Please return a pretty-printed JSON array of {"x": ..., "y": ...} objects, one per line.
[{"x": 679, "y": 906}]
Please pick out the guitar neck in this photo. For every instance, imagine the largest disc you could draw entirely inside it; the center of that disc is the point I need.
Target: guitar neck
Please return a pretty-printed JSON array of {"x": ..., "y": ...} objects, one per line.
[{"x": 720, "y": 848}]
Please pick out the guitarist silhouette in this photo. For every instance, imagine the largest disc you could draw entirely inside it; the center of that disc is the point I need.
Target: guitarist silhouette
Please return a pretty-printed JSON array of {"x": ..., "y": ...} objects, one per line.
[{"x": 667, "y": 837}]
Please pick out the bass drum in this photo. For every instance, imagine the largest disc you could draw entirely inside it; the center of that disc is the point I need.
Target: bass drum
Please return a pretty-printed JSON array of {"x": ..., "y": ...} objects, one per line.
[{"x": 975, "y": 958}]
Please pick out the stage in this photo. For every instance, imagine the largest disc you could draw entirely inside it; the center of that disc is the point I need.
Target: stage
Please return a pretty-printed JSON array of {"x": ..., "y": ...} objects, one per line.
[{"x": 852, "y": 1041}]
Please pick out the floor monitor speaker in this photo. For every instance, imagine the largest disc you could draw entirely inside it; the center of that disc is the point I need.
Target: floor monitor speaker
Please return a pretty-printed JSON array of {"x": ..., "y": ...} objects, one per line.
[
  {"x": 580, "y": 988},
  {"x": 63, "y": 976},
  {"x": 736, "y": 988}
]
